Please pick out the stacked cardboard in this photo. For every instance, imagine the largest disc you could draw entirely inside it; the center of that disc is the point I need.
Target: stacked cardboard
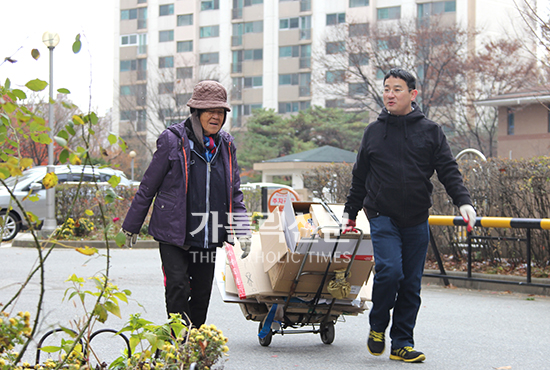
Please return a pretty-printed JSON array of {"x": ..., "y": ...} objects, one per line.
[{"x": 303, "y": 236}]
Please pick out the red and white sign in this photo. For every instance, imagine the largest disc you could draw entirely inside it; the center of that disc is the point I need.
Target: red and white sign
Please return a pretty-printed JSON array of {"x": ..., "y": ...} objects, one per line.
[{"x": 279, "y": 197}]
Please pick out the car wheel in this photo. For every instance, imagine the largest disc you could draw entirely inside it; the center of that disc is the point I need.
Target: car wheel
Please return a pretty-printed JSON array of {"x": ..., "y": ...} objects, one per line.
[{"x": 9, "y": 225}]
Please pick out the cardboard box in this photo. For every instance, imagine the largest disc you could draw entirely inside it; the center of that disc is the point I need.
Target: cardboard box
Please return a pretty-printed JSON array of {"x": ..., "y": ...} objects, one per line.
[
  {"x": 246, "y": 277},
  {"x": 283, "y": 274}
]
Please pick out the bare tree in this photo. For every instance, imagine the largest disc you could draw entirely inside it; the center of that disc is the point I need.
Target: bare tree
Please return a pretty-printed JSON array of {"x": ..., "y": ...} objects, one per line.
[
  {"x": 360, "y": 55},
  {"x": 451, "y": 74}
]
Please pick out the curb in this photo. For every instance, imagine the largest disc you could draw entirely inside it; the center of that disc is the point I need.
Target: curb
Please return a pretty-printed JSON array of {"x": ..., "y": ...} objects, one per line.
[
  {"x": 25, "y": 240},
  {"x": 518, "y": 283}
]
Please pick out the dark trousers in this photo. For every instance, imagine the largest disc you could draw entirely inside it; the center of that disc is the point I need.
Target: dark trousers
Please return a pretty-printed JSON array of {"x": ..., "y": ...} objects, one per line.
[
  {"x": 188, "y": 276},
  {"x": 399, "y": 257}
]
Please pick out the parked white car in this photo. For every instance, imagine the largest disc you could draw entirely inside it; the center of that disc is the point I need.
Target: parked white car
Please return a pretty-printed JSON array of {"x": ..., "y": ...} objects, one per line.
[{"x": 11, "y": 222}]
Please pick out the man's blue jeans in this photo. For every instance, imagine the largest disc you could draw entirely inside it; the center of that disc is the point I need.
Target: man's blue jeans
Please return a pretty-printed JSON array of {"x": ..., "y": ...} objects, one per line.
[{"x": 399, "y": 257}]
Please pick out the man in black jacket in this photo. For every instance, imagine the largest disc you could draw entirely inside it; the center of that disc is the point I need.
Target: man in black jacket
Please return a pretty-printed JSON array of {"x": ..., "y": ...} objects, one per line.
[{"x": 391, "y": 182}]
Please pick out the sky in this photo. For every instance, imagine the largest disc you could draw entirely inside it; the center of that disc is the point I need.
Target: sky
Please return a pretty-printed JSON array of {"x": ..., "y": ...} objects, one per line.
[{"x": 88, "y": 75}]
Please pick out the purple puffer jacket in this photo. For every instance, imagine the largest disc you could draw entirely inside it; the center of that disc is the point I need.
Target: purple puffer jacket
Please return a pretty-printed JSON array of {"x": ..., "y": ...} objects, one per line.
[{"x": 167, "y": 180}]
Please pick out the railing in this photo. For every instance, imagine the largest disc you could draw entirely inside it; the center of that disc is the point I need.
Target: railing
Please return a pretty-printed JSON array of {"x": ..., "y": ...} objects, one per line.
[
  {"x": 305, "y": 62},
  {"x": 236, "y": 67},
  {"x": 236, "y": 40},
  {"x": 488, "y": 222},
  {"x": 305, "y": 34}
]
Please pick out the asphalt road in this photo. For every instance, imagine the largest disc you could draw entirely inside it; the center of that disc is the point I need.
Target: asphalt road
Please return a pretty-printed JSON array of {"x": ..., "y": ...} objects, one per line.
[{"x": 456, "y": 328}]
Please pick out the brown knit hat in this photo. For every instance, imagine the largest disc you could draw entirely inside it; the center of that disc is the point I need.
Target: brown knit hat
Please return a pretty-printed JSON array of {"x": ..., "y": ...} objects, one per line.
[{"x": 209, "y": 94}]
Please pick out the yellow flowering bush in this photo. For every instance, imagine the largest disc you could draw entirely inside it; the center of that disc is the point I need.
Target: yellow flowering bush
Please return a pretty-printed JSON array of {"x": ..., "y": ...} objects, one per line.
[
  {"x": 13, "y": 331},
  {"x": 175, "y": 345},
  {"x": 80, "y": 227}
]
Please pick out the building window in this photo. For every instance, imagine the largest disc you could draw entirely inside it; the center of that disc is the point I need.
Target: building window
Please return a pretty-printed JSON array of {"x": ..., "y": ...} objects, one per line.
[
  {"x": 393, "y": 12},
  {"x": 380, "y": 74},
  {"x": 249, "y": 82},
  {"x": 254, "y": 54},
  {"x": 510, "y": 121},
  {"x": 359, "y": 59},
  {"x": 127, "y": 14},
  {"x": 184, "y": 46},
  {"x": 356, "y": 3},
  {"x": 253, "y": 27},
  {"x": 210, "y": 4},
  {"x": 358, "y": 29},
  {"x": 252, "y": 2},
  {"x": 184, "y": 72},
  {"x": 289, "y": 51},
  {"x": 128, "y": 65},
  {"x": 167, "y": 9},
  {"x": 209, "y": 58},
  {"x": 141, "y": 124},
  {"x": 336, "y": 18},
  {"x": 166, "y": 36},
  {"x": 392, "y": 42},
  {"x": 127, "y": 115},
  {"x": 128, "y": 40},
  {"x": 435, "y": 8},
  {"x": 295, "y": 106},
  {"x": 182, "y": 99},
  {"x": 142, "y": 1},
  {"x": 209, "y": 31},
  {"x": 288, "y": 79},
  {"x": 166, "y": 62},
  {"x": 335, "y": 47},
  {"x": 185, "y": 20},
  {"x": 356, "y": 89},
  {"x": 126, "y": 90},
  {"x": 166, "y": 88},
  {"x": 334, "y": 77}
]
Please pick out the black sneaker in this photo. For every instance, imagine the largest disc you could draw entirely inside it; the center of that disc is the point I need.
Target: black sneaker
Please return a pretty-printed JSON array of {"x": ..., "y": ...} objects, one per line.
[
  {"x": 376, "y": 343},
  {"x": 407, "y": 354}
]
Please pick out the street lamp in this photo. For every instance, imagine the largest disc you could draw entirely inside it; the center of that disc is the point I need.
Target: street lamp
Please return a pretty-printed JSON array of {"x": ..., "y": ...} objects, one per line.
[
  {"x": 50, "y": 39},
  {"x": 132, "y": 155}
]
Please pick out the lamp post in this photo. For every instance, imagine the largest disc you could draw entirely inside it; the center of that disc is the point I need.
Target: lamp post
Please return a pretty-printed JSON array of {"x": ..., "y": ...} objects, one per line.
[
  {"x": 132, "y": 155},
  {"x": 50, "y": 39}
]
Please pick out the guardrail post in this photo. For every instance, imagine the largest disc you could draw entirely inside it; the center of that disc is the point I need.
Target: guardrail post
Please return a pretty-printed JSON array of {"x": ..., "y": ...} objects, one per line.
[
  {"x": 438, "y": 258},
  {"x": 528, "y": 256},
  {"x": 469, "y": 254}
]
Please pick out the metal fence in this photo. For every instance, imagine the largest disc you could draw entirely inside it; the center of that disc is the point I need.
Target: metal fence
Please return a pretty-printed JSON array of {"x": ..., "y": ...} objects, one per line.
[{"x": 489, "y": 222}]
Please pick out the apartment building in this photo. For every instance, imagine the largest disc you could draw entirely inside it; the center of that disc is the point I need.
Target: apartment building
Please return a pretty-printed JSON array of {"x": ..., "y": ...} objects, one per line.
[{"x": 266, "y": 52}]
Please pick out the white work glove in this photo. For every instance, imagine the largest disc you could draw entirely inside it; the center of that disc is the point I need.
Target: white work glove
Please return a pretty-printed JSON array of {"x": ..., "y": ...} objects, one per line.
[
  {"x": 131, "y": 238},
  {"x": 245, "y": 245},
  {"x": 469, "y": 215}
]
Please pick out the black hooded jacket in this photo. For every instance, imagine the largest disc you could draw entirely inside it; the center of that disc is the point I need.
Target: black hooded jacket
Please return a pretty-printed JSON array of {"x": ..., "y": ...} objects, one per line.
[{"x": 397, "y": 157}]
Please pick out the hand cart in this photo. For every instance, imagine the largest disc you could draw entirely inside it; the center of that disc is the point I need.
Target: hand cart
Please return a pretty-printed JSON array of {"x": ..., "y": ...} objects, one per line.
[{"x": 295, "y": 313}]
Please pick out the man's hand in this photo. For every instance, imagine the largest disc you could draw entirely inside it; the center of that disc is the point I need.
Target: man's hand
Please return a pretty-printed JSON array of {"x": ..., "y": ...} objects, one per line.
[
  {"x": 469, "y": 215},
  {"x": 245, "y": 245},
  {"x": 131, "y": 238},
  {"x": 349, "y": 226}
]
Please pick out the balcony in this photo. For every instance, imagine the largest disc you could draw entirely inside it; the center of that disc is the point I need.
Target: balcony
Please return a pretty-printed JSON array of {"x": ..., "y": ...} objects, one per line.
[
  {"x": 305, "y": 34},
  {"x": 141, "y": 75},
  {"x": 237, "y": 13},
  {"x": 305, "y": 91},
  {"x": 305, "y": 62},
  {"x": 237, "y": 67},
  {"x": 141, "y": 24},
  {"x": 236, "y": 40}
]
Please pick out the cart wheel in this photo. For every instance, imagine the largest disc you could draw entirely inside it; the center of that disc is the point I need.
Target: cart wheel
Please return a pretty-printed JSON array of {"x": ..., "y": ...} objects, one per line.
[
  {"x": 265, "y": 341},
  {"x": 327, "y": 332}
]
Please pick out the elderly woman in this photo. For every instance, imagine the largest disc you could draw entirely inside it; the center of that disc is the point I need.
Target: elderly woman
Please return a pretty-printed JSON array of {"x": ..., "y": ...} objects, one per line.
[{"x": 198, "y": 205}]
